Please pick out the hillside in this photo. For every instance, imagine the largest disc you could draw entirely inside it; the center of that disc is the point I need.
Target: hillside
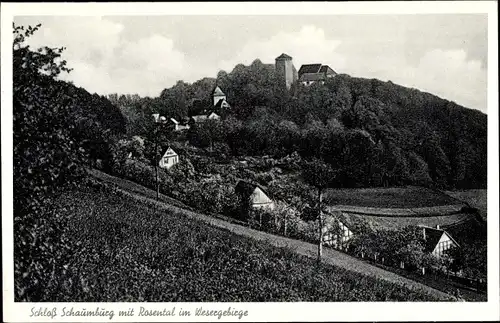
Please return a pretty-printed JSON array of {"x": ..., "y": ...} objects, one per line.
[
  {"x": 374, "y": 133},
  {"x": 145, "y": 254}
]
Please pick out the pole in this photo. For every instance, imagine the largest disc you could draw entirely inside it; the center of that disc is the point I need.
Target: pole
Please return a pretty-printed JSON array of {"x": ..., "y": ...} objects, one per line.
[
  {"x": 156, "y": 164},
  {"x": 320, "y": 243}
]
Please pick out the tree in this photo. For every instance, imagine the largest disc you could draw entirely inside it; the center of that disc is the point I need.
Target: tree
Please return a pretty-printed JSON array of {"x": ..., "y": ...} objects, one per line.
[
  {"x": 319, "y": 175},
  {"x": 46, "y": 159}
]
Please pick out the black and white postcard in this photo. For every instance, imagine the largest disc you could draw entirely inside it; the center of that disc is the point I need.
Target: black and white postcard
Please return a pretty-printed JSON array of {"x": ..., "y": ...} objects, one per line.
[{"x": 247, "y": 161}]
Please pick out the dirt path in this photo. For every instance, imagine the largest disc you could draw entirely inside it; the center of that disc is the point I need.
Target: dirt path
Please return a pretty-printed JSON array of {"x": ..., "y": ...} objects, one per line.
[{"x": 330, "y": 256}]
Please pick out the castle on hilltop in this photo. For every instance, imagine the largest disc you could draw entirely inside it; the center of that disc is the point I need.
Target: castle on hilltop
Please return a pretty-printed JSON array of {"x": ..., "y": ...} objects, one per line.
[{"x": 307, "y": 74}]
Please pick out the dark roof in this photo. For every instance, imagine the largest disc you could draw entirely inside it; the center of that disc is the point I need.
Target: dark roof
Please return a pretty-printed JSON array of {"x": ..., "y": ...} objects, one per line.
[
  {"x": 219, "y": 103},
  {"x": 246, "y": 188},
  {"x": 327, "y": 70},
  {"x": 432, "y": 237},
  {"x": 309, "y": 68},
  {"x": 284, "y": 56},
  {"x": 312, "y": 77}
]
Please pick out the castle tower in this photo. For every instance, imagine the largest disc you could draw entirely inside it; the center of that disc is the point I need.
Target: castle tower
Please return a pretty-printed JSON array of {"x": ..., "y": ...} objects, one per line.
[
  {"x": 218, "y": 95},
  {"x": 286, "y": 72}
]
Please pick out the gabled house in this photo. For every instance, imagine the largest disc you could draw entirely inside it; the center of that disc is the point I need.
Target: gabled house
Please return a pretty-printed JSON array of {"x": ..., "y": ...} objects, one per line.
[
  {"x": 203, "y": 117},
  {"x": 253, "y": 196},
  {"x": 178, "y": 125},
  {"x": 331, "y": 236},
  {"x": 312, "y": 73},
  {"x": 437, "y": 241},
  {"x": 169, "y": 158}
]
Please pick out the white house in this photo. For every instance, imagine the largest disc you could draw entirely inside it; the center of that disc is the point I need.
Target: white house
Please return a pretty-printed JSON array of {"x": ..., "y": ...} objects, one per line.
[
  {"x": 255, "y": 196},
  {"x": 178, "y": 126},
  {"x": 437, "y": 240},
  {"x": 218, "y": 95},
  {"x": 169, "y": 159},
  {"x": 331, "y": 237}
]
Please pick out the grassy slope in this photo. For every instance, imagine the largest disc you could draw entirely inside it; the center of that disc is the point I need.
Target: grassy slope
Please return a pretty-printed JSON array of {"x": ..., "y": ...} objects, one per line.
[
  {"x": 396, "y": 197},
  {"x": 130, "y": 252},
  {"x": 476, "y": 198}
]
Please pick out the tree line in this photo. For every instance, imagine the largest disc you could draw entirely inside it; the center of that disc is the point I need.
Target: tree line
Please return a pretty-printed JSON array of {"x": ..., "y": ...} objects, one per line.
[{"x": 375, "y": 133}]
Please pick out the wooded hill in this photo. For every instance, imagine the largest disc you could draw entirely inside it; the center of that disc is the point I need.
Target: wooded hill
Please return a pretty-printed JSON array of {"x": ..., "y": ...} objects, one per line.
[{"x": 373, "y": 133}]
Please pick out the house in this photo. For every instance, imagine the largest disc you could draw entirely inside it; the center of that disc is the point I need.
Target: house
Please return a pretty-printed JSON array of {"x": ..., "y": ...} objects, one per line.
[
  {"x": 203, "y": 117},
  {"x": 178, "y": 125},
  {"x": 219, "y": 97},
  {"x": 312, "y": 73},
  {"x": 437, "y": 241},
  {"x": 253, "y": 196},
  {"x": 330, "y": 234},
  {"x": 169, "y": 158}
]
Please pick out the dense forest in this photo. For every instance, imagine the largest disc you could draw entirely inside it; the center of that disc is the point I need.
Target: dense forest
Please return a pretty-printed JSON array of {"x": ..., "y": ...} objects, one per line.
[{"x": 372, "y": 133}]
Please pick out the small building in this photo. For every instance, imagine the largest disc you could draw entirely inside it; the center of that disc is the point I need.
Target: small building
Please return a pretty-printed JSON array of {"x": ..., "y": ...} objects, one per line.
[
  {"x": 178, "y": 125},
  {"x": 312, "y": 73},
  {"x": 169, "y": 158},
  {"x": 253, "y": 196},
  {"x": 331, "y": 237},
  {"x": 203, "y": 117},
  {"x": 437, "y": 241},
  {"x": 218, "y": 95}
]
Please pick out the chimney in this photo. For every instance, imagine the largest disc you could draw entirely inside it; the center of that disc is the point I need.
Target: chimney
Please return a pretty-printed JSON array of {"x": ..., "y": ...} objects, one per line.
[{"x": 437, "y": 226}]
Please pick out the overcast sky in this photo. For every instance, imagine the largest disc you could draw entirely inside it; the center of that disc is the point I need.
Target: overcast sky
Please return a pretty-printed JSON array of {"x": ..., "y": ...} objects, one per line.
[{"x": 442, "y": 54}]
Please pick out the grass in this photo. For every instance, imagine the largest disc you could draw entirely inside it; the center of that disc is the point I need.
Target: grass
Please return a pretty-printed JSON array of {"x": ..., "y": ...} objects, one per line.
[
  {"x": 476, "y": 198},
  {"x": 129, "y": 251},
  {"x": 394, "y": 197}
]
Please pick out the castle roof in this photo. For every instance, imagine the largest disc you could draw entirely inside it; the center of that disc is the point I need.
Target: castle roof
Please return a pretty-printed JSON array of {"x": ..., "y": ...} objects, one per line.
[
  {"x": 284, "y": 56},
  {"x": 309, "y": 68}
]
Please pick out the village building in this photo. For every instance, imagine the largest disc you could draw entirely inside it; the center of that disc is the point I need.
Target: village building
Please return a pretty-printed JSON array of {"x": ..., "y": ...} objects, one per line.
[
  {"x": 331, "y": 235},
  {"x": 437, "y": 241},
  {"x": 253, "y": 196},
  {"x": 210, "y": 113},
  {"x": 169, "y": 158},
  {"x": 312, "y": 73},
  {"x": 178, "y": 125},
  {"x": 219, "y": 98}
]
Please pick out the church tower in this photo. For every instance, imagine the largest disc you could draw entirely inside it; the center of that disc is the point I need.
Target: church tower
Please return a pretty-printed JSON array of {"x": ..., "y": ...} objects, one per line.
[
  {"x": 285, "y": 71},
  {"x": 218, "y": 95}
]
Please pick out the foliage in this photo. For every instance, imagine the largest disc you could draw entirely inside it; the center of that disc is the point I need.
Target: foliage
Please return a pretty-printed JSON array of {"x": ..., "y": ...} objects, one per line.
[{"x": 57, "y": 129}]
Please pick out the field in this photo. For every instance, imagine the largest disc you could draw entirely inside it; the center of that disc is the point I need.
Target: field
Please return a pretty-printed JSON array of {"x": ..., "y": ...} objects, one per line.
[
  {"x": 476, "y": 198},
  {"x": 129, "y": 251},
  {"x": 394, "y": 197}
]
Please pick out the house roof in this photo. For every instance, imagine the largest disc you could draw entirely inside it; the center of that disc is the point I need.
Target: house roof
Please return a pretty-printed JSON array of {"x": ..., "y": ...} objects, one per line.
[
  {"x": 199, "y": 118},
  {"x": 432, "y": 237},
  {"x": 309, "y": 68},
  {"x": 217, "y": 92},
  {"x": 311, "y": 77},
  {"x": 220, "y": 102},
  {"x": 327, "y": 70},
  {"x": 168, "y": 152},
  {"x": 246, "y": 188},
  {"x": 284, "y": 56}
]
